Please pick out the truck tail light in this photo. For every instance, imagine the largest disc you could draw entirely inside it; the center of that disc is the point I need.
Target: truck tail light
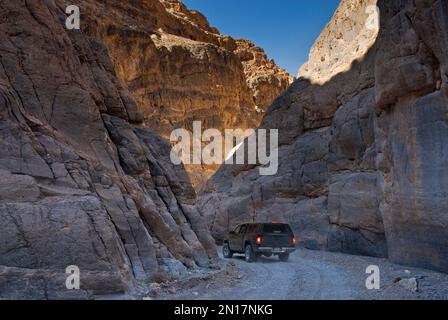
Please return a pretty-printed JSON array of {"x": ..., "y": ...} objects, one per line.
[
  {"x": 294, "y": 240},
  {"x": 258, "y": 240}
]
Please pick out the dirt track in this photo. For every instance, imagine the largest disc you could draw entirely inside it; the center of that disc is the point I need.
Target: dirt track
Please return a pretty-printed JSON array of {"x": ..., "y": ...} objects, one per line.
[{"x": 313, "y": 275}]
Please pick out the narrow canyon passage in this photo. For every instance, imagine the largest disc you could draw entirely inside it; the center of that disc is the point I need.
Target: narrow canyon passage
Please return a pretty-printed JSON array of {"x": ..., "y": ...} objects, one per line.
[{"x": 88, "y": 181}]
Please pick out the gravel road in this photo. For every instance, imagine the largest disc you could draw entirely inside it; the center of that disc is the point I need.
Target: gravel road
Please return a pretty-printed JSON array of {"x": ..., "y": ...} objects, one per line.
[
  {"x": 311, "y": 275},
  {"x": 299, "y": 278}
]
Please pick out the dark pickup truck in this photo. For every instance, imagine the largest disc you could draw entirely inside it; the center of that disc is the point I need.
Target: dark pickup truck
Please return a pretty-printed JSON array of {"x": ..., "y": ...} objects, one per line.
[{"x": 255, "y": 239}]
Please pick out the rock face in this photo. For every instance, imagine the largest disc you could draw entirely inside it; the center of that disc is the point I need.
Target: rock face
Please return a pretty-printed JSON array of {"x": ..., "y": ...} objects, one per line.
[
  {"x": 363, "y": 141},
  {"x": 82, "y": 181},
  {"x": 179, "y": 69},
  {"x": 265, "y": 79},
  {"x": 346, "y": 39}
]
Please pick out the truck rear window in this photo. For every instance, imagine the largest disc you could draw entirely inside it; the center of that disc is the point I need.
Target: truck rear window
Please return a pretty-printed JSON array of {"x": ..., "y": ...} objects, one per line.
[{"x": 276, "y": 228}]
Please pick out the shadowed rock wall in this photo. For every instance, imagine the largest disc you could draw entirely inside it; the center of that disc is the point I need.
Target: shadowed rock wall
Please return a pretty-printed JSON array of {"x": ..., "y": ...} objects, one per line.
[
  {"x": 82, "y": 182},
  {"x": 363, "y": 152}
]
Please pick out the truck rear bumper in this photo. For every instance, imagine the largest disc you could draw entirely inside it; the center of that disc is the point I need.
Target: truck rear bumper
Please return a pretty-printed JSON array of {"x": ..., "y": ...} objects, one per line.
[{"x": 274, "y": 250}]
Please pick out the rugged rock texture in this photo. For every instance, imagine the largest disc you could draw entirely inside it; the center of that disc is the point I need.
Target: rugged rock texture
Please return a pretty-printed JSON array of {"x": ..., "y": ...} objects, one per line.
[
  {"x": 82, "y": 182},
  {"x": 348, "y": 36},
  {"x": 363, "y": 155},
  {"x": 265, "y": 79},
  {"x": 179, "y": 69}
]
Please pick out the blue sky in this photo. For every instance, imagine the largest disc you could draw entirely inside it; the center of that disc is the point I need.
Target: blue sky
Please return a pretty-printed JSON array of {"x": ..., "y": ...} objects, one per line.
[{"x": 286, "y": 29}]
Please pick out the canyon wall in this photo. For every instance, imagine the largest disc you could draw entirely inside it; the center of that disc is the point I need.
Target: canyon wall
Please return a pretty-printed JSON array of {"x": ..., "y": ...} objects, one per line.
[
  {"x": 363, "y": 141},
  {"x": 82, "y": 180},
  {"x": 85, "y": 172},
  {"x": 179, "y": 69}
]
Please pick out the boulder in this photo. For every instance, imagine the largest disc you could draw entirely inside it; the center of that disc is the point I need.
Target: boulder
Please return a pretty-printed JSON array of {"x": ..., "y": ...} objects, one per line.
[{"x": 410, "y": 284}]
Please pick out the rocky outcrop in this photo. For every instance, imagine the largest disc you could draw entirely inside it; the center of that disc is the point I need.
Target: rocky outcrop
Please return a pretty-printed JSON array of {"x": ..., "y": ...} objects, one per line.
[
  {"x": 179, "y": 69},
  {"x": 265, "y": 79},
  {"x": 82, "y": 181},
  {"x": 347, "y": 38},
  {"x": 363, "y": 141}
]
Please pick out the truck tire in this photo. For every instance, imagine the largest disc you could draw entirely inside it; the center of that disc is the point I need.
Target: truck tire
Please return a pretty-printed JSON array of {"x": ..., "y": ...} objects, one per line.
[
  {"x": 284, "y": 257},
  {"x": 249, "y": 254},
  {"x": 226, "y": 252}
]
